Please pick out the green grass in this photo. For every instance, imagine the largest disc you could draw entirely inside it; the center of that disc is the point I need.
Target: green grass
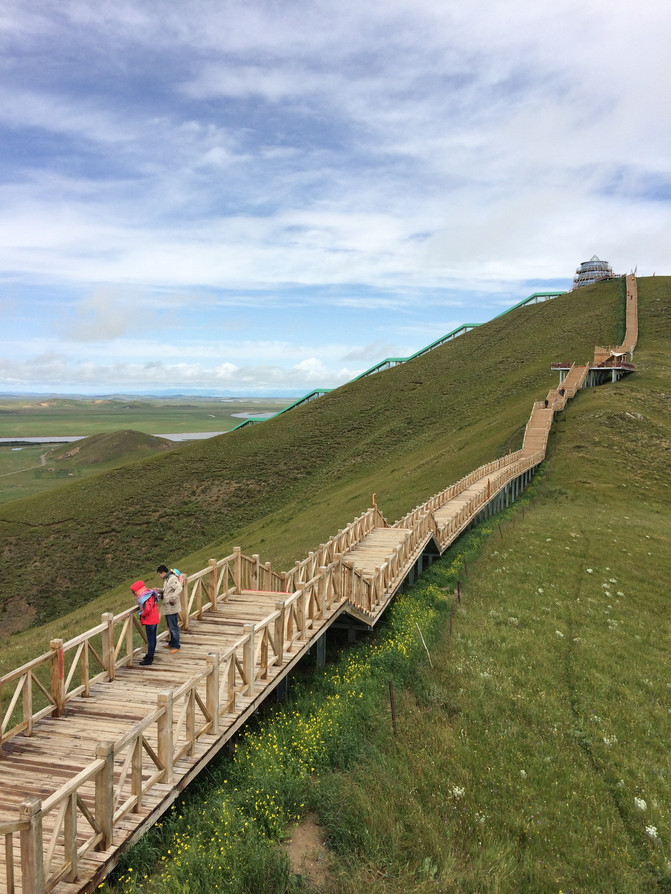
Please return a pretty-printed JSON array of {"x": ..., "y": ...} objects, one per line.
[
  {"x": 281, "y": 487},
  {"x": 40, "y": 468},
  {"x": 532, "y": 754},
  {"x": 25, "y": 417}
]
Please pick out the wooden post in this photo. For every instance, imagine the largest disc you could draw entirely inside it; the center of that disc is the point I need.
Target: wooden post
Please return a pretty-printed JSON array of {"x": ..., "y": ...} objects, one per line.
[
  {"x": 57, "y": 677},
  {"x": 27, "y": 704},
  {"x": 9, "y": 862},
  {"x": 165, "y": 747},
  {"x": 213, "y": 584},
  {"x": 263, "y": 657},
  {"x": 212, "y": 691},
  {"x": 230, "y": 685},
  {"x": 248, "y": 659},
  {"x": 32, "y": 859},
  {"x": 70, "y": 837},
  {"x": 184, "y": 614},
  {"x": 105, "y": 795},
  {"x": 329, "y": 593},
  {"x": 302, "y": 614},
  {"x": 199, "y": 599},
  {"x": 237, "y": 566},
  {"x": 256, "y": 571},
  {"x": 85, "y": 671},
  {"x": 279, "y": 632},
  {"x": 191, "y": 720},
  {"x": 108, "y": 645},
  {"x": 129, "y": 642},
  {"x": 136, "y": 773}
]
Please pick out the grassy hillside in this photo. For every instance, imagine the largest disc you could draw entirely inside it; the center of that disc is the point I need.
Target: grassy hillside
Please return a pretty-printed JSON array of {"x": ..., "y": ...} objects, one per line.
[
  {"x": 36, "y": 469},
  {"x": 108, "y": 448},
  {"x": 532, "y": 751},
  {"x": 281, "y": 487}
]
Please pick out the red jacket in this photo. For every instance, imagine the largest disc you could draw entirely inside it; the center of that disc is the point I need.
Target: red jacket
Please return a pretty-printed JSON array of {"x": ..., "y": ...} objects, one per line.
[{"x": 148, "y": 607}]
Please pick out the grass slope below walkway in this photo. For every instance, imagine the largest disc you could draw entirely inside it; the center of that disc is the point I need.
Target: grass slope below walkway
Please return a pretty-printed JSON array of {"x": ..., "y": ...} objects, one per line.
[
  {"x": 532, "y": 753},
  {"x": 281, "y": 487}
]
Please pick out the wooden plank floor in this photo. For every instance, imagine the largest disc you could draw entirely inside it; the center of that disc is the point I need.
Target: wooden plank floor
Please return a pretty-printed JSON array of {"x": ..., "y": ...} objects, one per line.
[
  {"x": 61, "y": 747},
  {"x": 37, "y": 766},
  {"x": 374, "y": 550}
]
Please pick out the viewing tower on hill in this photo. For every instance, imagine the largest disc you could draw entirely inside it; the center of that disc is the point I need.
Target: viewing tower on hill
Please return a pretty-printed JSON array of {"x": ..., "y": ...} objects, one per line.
[{"x": 592, "y": 271}]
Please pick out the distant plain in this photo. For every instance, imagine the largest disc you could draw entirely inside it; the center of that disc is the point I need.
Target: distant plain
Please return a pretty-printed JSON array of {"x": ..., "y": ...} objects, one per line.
[{"x": 36, "y": 468}]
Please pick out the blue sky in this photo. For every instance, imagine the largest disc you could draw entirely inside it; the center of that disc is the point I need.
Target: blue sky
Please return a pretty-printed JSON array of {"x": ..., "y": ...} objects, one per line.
[{"x": 260, "y": 197}]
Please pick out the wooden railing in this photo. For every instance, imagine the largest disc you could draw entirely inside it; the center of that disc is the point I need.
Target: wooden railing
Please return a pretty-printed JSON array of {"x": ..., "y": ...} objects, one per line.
[
  {"x": 45, "y": 685},
  {"x": 340, "y": 543}
]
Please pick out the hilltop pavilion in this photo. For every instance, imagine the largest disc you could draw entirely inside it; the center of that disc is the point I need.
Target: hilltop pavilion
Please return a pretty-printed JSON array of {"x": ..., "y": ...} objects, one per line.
[{"x": 592, "y": 271}]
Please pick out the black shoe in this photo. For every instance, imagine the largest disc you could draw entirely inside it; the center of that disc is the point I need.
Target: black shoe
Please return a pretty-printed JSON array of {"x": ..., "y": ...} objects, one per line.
[{"x": 146, "y": 660}]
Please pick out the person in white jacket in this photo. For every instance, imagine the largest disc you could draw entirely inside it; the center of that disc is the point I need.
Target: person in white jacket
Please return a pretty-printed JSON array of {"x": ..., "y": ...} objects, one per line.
[{"x": 172, "y": 605}]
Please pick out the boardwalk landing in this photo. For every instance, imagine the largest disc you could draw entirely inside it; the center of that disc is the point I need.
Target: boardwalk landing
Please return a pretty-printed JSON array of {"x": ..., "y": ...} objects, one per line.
[{"x": 94, "y": 749}]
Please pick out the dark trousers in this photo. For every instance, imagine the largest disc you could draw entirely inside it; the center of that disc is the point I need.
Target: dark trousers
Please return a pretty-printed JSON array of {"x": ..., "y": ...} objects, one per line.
[
  {"x": 173, "y": 628},
  {"x": 150, "y": 630}
]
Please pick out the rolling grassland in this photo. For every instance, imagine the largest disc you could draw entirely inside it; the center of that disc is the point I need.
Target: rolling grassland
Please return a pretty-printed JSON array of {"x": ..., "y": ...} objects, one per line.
[
  {"x": 28, "y": 416},
  {"x": 38, "y": 468},
  {"x": 531, "y": 747},
  {"x": 281, "y": 487}
]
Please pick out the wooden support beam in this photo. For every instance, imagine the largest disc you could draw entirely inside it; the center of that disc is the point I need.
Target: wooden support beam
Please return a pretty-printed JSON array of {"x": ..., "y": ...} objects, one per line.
[
  {"x": 104, "y": 797},
  {"x": 57, "y": 677},
  {"x": 32, "y": 861}
]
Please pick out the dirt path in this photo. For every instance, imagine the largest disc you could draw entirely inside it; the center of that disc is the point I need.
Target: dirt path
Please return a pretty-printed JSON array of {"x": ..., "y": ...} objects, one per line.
[{"x": 43, "y": 462}]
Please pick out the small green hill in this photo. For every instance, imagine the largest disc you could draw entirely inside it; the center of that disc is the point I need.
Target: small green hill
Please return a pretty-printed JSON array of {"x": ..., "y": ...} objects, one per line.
[
  {"x": 281, "y": 487},
  {"x": 110, "y": 448}
]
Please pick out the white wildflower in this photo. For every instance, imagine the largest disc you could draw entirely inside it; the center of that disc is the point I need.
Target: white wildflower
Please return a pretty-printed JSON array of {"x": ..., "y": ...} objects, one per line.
[
  {"x": 620, "y": 593},
  {"x": 640, "y": 804},
  {"x": 480, "y": 818},
  {"x": 523, "y": 774},
  {"x": 559, "y": 634},
  {"x": 590, "y": 571},
  {"x": 651, "y": 832},
  {"x": 458, "y": 792},
  {"x": 540, "y": 589},
  {"x": 612, "y": 580}
]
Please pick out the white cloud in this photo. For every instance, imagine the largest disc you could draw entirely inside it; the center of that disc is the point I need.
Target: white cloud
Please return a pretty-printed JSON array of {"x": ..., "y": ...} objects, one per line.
[{"x": 323, "y": 174}]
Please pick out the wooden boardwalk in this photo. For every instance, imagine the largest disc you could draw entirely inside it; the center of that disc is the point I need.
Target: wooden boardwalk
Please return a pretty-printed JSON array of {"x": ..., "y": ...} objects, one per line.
[{"x": 94, "y": 748}]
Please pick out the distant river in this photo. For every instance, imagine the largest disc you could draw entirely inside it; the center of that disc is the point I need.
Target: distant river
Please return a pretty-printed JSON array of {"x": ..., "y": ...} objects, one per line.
[{"x": 183, "y": 436}]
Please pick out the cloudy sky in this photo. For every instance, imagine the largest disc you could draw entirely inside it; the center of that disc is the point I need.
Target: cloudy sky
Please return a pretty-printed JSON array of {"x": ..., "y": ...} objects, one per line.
[{"x": 269, "y": 196}]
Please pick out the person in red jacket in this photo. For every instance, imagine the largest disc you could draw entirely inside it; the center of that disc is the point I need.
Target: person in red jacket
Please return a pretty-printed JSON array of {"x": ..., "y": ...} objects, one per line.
[{"x": 147, "y": 601}]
